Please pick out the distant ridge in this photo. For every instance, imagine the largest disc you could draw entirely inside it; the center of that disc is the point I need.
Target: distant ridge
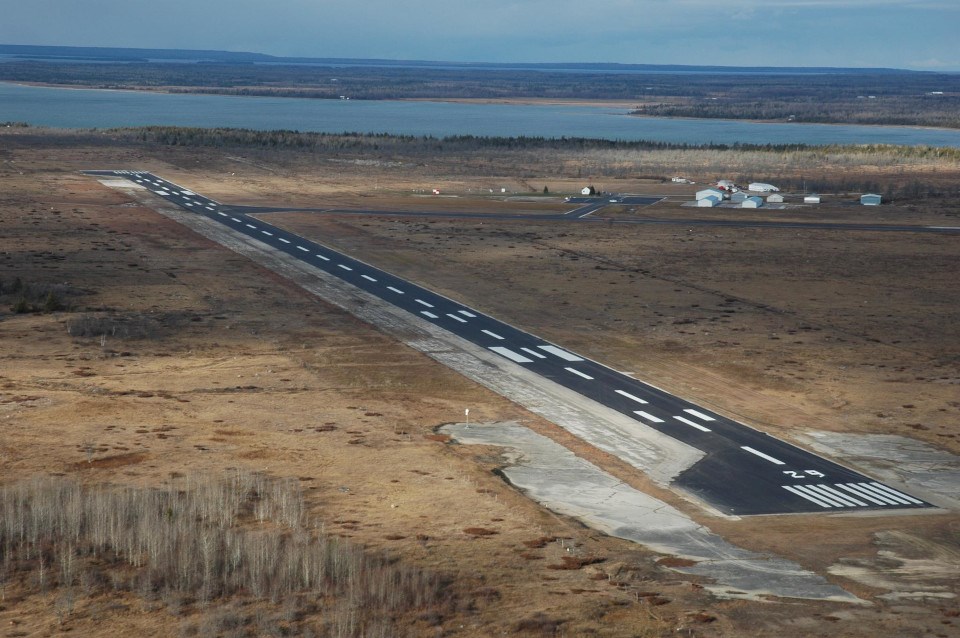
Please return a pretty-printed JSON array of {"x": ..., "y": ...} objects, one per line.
[{"x": 134, "y": 55}]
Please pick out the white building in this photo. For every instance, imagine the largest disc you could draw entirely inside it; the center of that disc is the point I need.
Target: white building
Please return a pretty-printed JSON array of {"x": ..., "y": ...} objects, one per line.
[
  {"x": 760, "y": 187},
  {"x": 811, "y": 199},
  {"x": 710, "y": 192},
  {"x": 871, "y": 199},
  {"x": 776, "y": 198},
  {"x": 752, "y": 202},
  {"x": 738, "y": 197},
  {"x": 709, "y": 201}
]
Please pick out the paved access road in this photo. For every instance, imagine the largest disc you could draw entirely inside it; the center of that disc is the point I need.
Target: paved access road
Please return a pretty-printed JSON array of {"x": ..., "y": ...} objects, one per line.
[{"x": 743, "y": 472}]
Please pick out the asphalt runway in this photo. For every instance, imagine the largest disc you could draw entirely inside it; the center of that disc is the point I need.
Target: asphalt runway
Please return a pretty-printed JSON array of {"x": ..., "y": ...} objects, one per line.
[{"x": 744, "y": 471}]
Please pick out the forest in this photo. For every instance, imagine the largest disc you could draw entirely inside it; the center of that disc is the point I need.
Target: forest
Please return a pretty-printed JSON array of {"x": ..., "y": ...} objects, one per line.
[{"x": 843, "y": 96}]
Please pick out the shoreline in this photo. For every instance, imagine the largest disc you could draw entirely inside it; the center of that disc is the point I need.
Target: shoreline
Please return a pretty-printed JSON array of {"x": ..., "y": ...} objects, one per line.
[{"x": 512, "y": 101}]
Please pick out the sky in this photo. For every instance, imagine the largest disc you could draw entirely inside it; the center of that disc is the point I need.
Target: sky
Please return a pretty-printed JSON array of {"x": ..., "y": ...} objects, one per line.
[{"x": 910, "y": 34}]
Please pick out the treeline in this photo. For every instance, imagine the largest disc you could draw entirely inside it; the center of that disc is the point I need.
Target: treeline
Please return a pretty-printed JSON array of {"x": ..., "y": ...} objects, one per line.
[
  {"x": 934, "y": 110},
  {"x": 387, "y": 143},
  {"x": 901, "y": 97},
  {"x": 200, "y": 544}
]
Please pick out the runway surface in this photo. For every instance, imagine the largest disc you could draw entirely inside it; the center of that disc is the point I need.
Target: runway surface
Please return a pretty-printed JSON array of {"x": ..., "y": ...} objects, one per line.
[{"x": 743, "y": 472}]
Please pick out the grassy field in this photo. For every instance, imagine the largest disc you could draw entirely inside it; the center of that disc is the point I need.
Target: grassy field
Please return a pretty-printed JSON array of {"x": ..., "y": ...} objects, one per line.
[{"x": 153, "y": 373}]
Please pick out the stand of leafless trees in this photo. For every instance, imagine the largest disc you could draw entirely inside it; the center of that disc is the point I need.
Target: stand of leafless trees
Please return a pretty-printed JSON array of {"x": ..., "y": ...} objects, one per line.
[{"x": 201, "y": 543}]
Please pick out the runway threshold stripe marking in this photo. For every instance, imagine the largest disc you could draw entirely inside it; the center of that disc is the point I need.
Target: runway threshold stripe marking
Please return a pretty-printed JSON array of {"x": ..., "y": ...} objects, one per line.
[
  {"x": 306, "y": 250},
  {"x": 892, "y": 499},
  {"x": 563, "y": 354},
  {"x": 830, "y": 498},
  {"x": 344, "y": 266},
  {"x": 534, "y": 353},
  {"x": 455, "y": 317},
  {"x": 692, "y": 424},
  {"x": 323, "y": 257},
  {"x": 812, "y": 499},
  {"x": 631, "y": 397},
  {"x": 424, "y": 303},
  {"x": 883, "y": 489},
  {"x": 865, "y": 495},
  {"x": 429, "y": 314},
  {"x": 840, "y": 496},
  {"x": 369, "y": 278},
  {"x": 510, "y": 354},
  {"x": 767, "y": 457},
  {"x": 286, "y": 241},
  {"x": 467, "y": 314},
  {"x": 492, "y": 334},
  {"x": 648, "y": 416},
  {"x": 700, "y": 415},
  {"x": 396, "y": 290},
  {"x": 579, "y": 374}
]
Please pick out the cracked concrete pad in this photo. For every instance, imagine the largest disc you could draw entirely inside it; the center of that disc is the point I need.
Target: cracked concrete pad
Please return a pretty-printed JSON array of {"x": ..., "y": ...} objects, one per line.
[
  {"x": 920, "y": 468},
  {"x": 558, "y": 479}
]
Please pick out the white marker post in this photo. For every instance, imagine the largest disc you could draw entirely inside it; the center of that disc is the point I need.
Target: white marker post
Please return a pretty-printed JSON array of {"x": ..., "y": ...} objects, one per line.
[{"x": 466, "y": 413}]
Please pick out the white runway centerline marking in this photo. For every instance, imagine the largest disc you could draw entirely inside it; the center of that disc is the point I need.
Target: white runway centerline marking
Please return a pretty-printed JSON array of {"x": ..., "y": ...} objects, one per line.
[
  {"x": 267, "y": 233},
  {"x": 692, "y": 424},
  {"x": 239, "y": 221},
  {"x": 510, "y": 354},
  {"x": 648, "y": 416},
  {"x": 492, "y": 334},
  {"x": 467, "y": 314},
  {"x": 424, "y": 303},
  {"x": 286, "y": 241},
  {"x": 251, "y": 226},
  {"x": 396, "y": 290},
  {"x": 429, "y": 314},
  {"x": 223, "y": 214},
  {"x": 344, "y": 266},
  {"x": 369, "y": 278},
  {"x": 700, "y": 415},
  {"x": 767, "y": 457},
  {"x": 322, "y": 257},
  {"x": 306, "y": 250},
  {"x": 563, "y": 354},
  {"x": 579, "y": 374},
  {"x": 630, "y": 396},
  {"x": 460, "y": 319},
  {"x": 534, "y": 353}
]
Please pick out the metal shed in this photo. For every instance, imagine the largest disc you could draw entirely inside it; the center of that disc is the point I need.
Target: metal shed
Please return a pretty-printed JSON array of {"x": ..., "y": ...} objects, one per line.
[
  {"x": 709, "y": 192},
  {"x": 871, "y": 199},
  {"x": 811, "y": 199},
  {"x": 776, "y": 198},
  {"x": 752, "y": 202},
  {"x": 709, "y": 201}
]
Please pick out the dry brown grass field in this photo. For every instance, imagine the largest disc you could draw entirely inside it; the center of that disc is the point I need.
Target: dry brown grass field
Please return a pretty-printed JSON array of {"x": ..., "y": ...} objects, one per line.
[{"x": 208, "y": 366}]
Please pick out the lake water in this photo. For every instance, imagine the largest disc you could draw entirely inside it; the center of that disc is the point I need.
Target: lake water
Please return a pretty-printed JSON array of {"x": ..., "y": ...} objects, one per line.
[{"x": 86, "y": 108}]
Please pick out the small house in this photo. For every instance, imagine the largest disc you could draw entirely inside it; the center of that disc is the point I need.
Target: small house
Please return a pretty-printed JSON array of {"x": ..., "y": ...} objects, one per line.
[
  {"x": 871, "y": 199},
  {"x": 752, "y": 202},
  {"x": 776, "y": 198},
  {"x": 811, "y": 199}
]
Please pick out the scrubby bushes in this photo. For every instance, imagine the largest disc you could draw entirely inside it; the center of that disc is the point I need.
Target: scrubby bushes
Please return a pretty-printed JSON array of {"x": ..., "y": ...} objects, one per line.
[{"x": 203, "y": 541}]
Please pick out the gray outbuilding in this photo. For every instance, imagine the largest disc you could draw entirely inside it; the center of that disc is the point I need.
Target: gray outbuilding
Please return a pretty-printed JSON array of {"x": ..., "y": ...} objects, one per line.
[
  {"x": 709, "y": 201},
  {"x": 776, "y": 198},
  {"x": 871, "y": 199},
  {"x": 752, "y": 202},
  {"x": 738, "y": 198},
  {"x": 811, "y": 199},
  {"x": 709, "y": 192}
]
